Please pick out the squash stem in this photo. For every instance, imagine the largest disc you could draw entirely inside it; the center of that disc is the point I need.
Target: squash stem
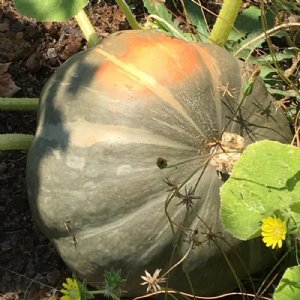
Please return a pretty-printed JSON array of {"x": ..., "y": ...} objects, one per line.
[
  {"x": 87, "y": 28},
  {"x": 15, "y": 141},
  {"x": 225, "y": 21},
  {"x": 129, "y": 15},
  {"x": 19, "y": 103}
]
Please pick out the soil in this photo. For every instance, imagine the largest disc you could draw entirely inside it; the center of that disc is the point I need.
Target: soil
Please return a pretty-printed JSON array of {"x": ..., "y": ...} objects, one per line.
[{"x": 30, "y": 52}]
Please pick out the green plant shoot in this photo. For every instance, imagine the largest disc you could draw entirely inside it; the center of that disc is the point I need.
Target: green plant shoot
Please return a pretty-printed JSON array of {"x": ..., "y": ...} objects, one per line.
[{"x": 225, "y": 21}]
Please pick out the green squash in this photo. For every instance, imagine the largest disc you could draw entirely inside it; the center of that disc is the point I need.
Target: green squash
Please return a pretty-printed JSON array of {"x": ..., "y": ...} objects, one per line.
[{"x": 118, "y": 121}]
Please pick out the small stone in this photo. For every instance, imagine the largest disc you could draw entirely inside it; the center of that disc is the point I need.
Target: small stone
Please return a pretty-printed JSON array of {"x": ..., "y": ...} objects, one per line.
[{"x": 51, "y": 53}]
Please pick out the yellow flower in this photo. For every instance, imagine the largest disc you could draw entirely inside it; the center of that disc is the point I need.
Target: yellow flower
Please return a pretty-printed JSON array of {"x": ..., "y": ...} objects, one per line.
[
  {"x": 71, "y": 291},
  {"x": 273, "y": 231}
]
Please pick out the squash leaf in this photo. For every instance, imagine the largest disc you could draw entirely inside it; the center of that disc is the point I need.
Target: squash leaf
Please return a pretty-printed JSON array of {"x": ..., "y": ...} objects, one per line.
[
  {"x": 164, "y": 19},
  {"x": 265, "y": 181},
  {"x": 157, "y": 7},
  {"x": 197, "y": 18},
  {"x": 248, "y": 24},
  {"x": 50, "y": 10},
  {"x": 289, "y": 286}
]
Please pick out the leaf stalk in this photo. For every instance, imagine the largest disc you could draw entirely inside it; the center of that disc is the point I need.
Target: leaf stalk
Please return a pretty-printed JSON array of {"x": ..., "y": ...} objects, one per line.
[
  {"x": 87, "y": 28},
  {"x": 129, "y": 15},
  {"x": 24, "y": 104},
  {"x": 225, "y": 21},
  {"x": 15, "y": 141}
]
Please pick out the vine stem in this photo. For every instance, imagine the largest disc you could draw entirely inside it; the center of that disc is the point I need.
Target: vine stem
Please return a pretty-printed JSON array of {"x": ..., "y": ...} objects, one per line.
[
  {"x": 180, "y": 261},
  {"x": 129, "y": 15},
  {"x": 87, "y": 28},
  {"x": 225, "y": 21},
  {"x": 15, "y": 141},
  {"x": 199, "y": 297},
  {"x": 19, "y": 103}
]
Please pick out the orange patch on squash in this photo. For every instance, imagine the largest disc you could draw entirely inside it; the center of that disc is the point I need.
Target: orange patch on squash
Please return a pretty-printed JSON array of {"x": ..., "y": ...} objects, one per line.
[
  {"x": 161, "y": 60},
  {"x": 210, "y": 61}
]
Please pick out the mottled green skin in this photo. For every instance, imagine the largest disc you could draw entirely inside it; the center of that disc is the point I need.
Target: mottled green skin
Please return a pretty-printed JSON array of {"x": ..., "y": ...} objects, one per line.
[{"x": 93, "y": 162}]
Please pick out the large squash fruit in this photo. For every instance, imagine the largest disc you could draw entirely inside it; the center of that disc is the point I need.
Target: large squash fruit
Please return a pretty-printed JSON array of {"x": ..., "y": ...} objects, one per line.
[{"x": 118, "y": 121}]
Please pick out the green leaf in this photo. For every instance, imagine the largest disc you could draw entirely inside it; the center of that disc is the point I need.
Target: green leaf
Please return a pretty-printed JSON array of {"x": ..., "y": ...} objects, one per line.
[
  {"x": 50, "y": 10},
  {"x": 295, "y": 207},
  {"x": 266, "y": 179},
  {"x": 281, "y": 92},
  {"x": 248, "y": 24},
  {"x": 289, "y": 285},
  {"x": 157, "y": 7},
  {"x": 163, "y": 18},
  {"x": 267, "y": 70},
  {"x": 287, "y": 5},
  {"x": 196, "y": 17},
  {"x": 280, "y": 56}
]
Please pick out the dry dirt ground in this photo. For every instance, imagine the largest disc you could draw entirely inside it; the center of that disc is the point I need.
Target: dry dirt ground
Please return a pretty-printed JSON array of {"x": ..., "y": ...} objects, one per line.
[{"x": 29, "y": 53}]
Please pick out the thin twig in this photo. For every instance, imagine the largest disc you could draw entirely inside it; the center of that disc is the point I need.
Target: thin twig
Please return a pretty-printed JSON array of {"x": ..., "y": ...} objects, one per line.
[
  {"x": 291, "y": 70},
  {"x": 180, "y": 261},
  {"x": 199, "y": 297},
  {"x": 28, "y": 278},
  {"x": 269, "y": 284}
]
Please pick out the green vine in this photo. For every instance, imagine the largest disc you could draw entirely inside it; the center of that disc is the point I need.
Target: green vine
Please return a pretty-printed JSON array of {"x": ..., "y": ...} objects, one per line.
[
  {"x": 19, "y": 103},
  {"x": 225, "y": 21},
  {"x": 87, "y": 28},
  {"x": 129, "y": 15},
  {"x": 15, "y": 141}
]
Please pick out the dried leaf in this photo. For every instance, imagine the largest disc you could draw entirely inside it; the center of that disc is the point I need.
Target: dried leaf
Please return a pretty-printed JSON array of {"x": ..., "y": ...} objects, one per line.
[{"x": 10, "y": 296}]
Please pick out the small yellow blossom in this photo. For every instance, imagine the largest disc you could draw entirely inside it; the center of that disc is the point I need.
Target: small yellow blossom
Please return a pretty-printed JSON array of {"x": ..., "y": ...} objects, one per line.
[
  {"x": 273, "y": 231},
  {"x": 71, "y": 291}
]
